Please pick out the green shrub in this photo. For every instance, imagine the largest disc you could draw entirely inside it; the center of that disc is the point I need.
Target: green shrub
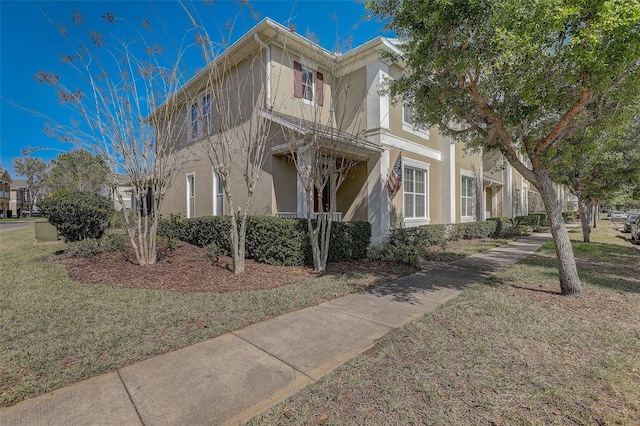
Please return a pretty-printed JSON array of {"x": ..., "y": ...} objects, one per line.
[
  {"x": 349, "y": 241},
  {"x": 276, "y": 241},
  {"x": 471, "y": 230},
  {"x": 167, "y": 244},
  {"x": 199, "y": 231},
  {"x": 113, "y": 242},
  {"x": 272, "y": 240},
  {"x": 213, "y": 252},
  {"x": 542, "y": 218},
  {"x": 568, "y": 215},
  {"x": 420, "y": 236},
  {"x": 78, "y": 215},
  {"x": 502, "y": 223},
  {"x": 84, "y": 248}
]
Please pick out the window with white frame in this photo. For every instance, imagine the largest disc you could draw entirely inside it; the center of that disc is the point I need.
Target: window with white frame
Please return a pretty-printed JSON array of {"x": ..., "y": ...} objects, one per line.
[
  {"x": 193, "y": 117},
  {"x": 409, "y": 122},
  {"x": 468, "y": 197},
  {"x": 200, "y": 116},
  {"x": 191, "y": 195},
  {"x": 415, "y": 187},
  {"x": 308, "y": 84},
  {"x": 218, "y": 196},
  {"x": 517, "y": 204},
  {"x": 206, "y": 113},
  {"x": 407, "y": 115}
]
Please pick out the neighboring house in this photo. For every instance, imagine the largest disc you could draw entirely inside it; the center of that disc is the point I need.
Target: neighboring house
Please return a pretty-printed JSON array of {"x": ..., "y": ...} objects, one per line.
[
  {"x": 20, "y": 198},
  {"x": 124, "y": 190},
  {"x": 5, "y": 192},
  {"x": 441, "y": 183}
]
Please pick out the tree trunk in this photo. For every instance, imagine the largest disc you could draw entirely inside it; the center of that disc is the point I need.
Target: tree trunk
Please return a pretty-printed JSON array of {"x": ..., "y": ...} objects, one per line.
[
  {"x": 596, "y": 213},
  {"x": 584, "y": 207},
  {"x": 237, "y": 252},
  {"x": 567, "y": 270}
]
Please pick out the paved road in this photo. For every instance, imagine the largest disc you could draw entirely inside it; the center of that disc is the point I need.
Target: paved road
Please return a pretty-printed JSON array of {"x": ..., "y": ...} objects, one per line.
[{"x": 10, "y": 226}]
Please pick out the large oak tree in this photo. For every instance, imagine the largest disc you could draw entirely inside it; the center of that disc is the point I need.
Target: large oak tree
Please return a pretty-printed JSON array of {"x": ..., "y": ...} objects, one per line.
[{"x": 518, "y": 77}]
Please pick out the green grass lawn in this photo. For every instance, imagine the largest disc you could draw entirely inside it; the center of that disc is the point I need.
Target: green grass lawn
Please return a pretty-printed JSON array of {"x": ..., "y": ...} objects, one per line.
[
  {"x": 508, "y": 351},
  {"x": 55, "y": 331}
]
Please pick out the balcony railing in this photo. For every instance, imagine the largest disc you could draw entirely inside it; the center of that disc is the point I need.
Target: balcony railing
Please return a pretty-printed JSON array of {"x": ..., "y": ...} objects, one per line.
[{"x": 337, "y": 216}]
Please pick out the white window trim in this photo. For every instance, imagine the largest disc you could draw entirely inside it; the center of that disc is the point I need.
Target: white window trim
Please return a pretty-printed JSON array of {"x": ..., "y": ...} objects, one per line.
[
  {"x": 214, "y": 195},
  {"x": 199, "y": 117},
  {"x": 419, "y": 165},
  {"x": 411, "y": 128},
  {"x": 190, "y": 188},
  {"x": 471, "y": 175}
]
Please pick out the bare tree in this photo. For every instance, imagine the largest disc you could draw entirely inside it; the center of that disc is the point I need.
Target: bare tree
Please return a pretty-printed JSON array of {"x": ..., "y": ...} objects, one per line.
[
  {"x": 326, "y": 141},
  {"x": 123, "y": 99},
  {"x": 227, "y": 118}
]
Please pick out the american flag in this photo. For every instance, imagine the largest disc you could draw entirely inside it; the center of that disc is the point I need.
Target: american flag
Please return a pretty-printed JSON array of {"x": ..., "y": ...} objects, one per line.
[{"x": 394, "y": 182}]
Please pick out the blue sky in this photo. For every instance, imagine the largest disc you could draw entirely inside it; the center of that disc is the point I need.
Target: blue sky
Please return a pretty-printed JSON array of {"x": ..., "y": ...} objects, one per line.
[{"x": 30, "y": 42}]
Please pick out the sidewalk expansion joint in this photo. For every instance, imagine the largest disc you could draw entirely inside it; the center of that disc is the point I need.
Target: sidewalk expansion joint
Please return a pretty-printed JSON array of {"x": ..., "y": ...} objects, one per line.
[
  {"x": 349, "y": 314},
  {"x": 130, "y": 398},
  {"x": 274, "y": 356}
]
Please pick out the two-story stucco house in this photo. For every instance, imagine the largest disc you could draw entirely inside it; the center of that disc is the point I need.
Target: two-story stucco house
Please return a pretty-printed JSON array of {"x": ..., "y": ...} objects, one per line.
[
  {"x": 306, "y": 84},
  {"x": 5, "y": 191}
]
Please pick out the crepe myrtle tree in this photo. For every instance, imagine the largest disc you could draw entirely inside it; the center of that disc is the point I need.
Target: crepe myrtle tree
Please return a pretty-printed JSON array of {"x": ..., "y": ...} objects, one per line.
[
  {"x": 112, "y": 86},
  {"x": 227, "y": 123},
  {"x": 518, "y": 77},
  {"x": 326, "y": 140}
]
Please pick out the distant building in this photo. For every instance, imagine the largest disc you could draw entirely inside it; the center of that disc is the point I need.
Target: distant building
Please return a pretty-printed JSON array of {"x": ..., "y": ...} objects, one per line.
[
  {"x": 20, "y": 198},
  {"x": 5, "y": 192}
]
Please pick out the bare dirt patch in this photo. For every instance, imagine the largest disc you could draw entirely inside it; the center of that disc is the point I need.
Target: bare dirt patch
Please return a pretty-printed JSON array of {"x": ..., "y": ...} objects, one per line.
[{"x": 188, "y": 268}]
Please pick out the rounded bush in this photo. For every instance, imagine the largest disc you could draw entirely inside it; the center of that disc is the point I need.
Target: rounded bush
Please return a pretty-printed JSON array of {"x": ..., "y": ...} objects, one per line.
[{"x": 77, "y": 214}]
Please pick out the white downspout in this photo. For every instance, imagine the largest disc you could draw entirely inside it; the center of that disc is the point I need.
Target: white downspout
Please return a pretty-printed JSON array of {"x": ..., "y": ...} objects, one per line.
[{"x": 268, "y": 68}]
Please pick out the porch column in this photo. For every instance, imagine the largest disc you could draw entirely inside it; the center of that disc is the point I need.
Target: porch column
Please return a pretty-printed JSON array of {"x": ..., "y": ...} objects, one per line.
[
  {"x": 377, "y": 198},
  {"x": 507, "y": 194},
  {"x": 482, "y": 212}
]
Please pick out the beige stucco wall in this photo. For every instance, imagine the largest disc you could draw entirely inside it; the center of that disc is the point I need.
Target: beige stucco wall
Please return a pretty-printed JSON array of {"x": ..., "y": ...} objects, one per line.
[
  {"x": 352, "y": 194},
  {"x": 284, "y": 178},
  {"x": 282, "y": 82},
  {"x": 351, "y": 94}
]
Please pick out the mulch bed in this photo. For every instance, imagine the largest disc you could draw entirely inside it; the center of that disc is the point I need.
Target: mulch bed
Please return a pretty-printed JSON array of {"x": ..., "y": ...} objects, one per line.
[{"x": 188, "y": 268}]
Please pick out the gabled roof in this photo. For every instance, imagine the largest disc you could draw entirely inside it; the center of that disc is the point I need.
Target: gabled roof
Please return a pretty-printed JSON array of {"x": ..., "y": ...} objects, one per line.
[
  {"x": 4, "y": 177},
  {"x": 269, "y": 31},
  {"x": 19, "y": 184}
]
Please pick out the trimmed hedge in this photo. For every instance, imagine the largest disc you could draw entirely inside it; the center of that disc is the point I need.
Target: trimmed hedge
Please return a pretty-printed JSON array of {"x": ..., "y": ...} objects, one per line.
[
  {"x": 502, "y": 223},
  {"x": 271, "y": 240},
  {"x": 543, "y": 219},
  {"x": 471, "y": 230},
  {"x": 77, "y": 214},
  {"x": 430, "y": 235}
]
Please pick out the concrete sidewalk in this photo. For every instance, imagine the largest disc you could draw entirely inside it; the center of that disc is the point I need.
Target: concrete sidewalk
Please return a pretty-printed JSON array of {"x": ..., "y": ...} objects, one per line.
[{"x": 230, "y": 378}]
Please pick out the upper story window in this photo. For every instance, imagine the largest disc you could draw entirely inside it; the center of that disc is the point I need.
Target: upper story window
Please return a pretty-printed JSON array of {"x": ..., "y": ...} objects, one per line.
[
  {"x": 200, "y": 116},
  {"x": 308, "y": 85},
  {"x": 193, "y": 114},
  {"x": 409, "y": 123},
  {"x": 206, "y": 113}
]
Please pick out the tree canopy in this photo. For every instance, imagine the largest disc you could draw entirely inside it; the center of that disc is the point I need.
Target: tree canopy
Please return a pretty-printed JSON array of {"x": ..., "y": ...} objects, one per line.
[
  {"x": 518, "y": 77},
  {"x": 79, "y": 170}
]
